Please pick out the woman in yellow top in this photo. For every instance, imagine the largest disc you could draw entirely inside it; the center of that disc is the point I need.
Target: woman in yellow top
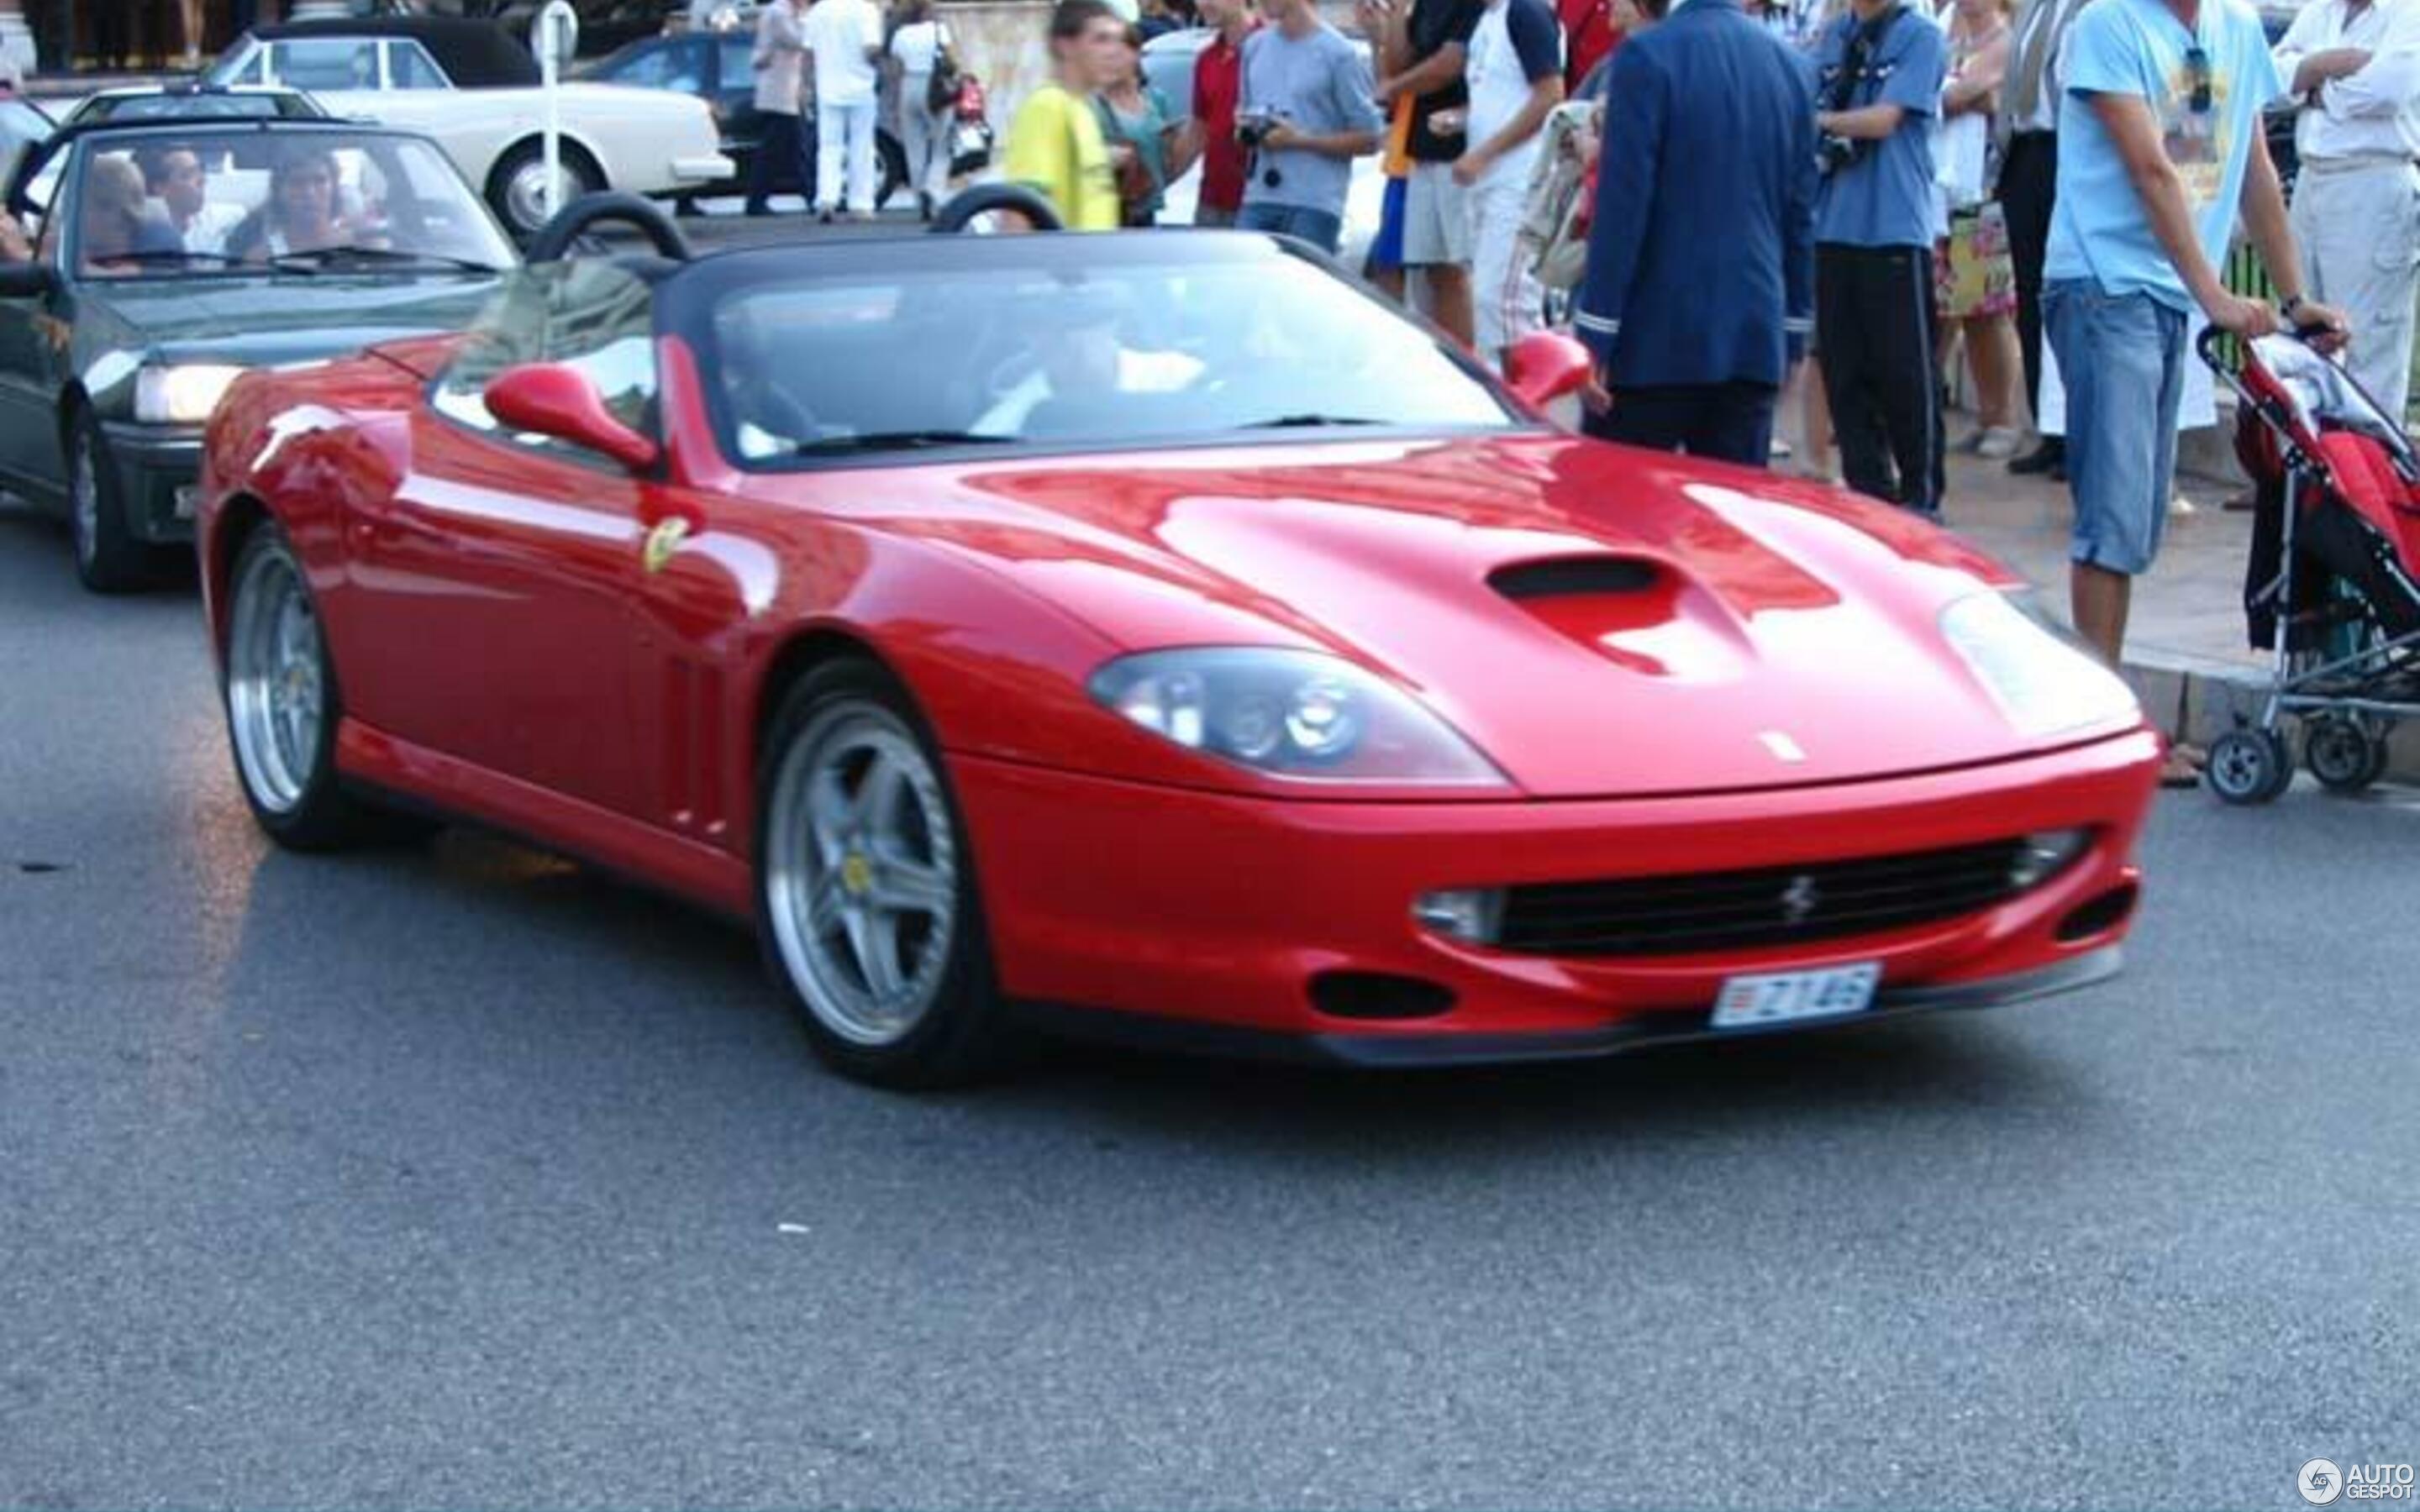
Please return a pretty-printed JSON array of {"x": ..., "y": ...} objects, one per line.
[{"x": 1054, "y": 144}]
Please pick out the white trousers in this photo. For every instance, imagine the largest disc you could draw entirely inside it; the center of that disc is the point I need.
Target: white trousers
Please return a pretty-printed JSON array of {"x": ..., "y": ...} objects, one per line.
[
  {"x": 1506, "y": 299},
  {"x": 924, "y": 134},
  {"x": 2358, "y": 226},
  {"x": 844, "y": 156}
]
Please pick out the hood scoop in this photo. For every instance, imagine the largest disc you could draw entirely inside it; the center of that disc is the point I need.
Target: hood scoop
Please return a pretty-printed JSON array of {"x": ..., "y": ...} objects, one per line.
[
  {"x": 1573, "y": 577},
  {"x": 1645, "y": 616}
]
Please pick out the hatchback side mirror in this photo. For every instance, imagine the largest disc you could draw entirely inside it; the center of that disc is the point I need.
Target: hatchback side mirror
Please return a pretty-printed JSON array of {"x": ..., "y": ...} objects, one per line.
[
  {"x": 1546, "y": 365},
  {"x": 553, "y": 400},
  {"x": 27, "y": 281}
]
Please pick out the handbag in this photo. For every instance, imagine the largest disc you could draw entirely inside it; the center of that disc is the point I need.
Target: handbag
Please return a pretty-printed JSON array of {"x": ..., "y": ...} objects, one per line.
[{"x": 942, "y": 88}]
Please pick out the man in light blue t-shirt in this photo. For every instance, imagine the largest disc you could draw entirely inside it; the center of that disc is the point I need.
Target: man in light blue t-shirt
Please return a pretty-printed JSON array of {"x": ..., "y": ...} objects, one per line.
[
  {"x": 2160, "y": 148},
  {"x": 1308, "y": 109}
]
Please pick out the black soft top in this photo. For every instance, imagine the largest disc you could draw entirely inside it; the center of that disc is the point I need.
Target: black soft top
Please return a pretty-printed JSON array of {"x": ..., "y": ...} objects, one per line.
[{"x": 476, "y": 54}]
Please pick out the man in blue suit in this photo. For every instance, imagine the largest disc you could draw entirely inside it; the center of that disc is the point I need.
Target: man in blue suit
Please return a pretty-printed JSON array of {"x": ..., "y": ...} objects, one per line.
[{"x": 1700, "y": 285}]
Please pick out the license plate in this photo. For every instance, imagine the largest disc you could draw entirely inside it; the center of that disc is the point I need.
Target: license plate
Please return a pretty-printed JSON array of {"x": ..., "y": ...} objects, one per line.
[{"x": 1785, "y": 997}]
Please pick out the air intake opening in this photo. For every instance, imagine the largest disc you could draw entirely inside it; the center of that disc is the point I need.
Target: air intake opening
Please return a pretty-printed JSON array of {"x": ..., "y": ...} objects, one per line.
[
  {"x": 2099, "y": 915},
  {"x": 1376, "y": 994},
  {"x": 1570, "y": 577}
]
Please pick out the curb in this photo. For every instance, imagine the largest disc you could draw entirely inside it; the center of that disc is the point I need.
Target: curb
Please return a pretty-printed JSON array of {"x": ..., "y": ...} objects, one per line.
[{"x": 2195, "y": 700}]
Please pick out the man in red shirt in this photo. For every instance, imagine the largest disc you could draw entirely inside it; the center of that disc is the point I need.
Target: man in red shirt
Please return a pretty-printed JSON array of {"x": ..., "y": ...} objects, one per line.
[
  {"x": 1218, "y": 84},
  {"x": 1588, "y": 36}
]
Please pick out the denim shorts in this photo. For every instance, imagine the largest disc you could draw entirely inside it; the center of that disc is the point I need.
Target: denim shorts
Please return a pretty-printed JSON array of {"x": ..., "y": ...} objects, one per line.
[
  {"x": 1322, "y": 229},
  {"x": 2122, "y": 360}
]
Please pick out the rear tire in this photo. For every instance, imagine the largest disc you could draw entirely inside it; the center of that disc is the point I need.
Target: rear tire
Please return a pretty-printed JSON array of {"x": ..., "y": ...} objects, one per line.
[
  {"x": 279, "y": 686},
  {"x": 2343, "y": 752},
  {"x": 108, "y": 558},
  {"x": 866, "y": 894}
]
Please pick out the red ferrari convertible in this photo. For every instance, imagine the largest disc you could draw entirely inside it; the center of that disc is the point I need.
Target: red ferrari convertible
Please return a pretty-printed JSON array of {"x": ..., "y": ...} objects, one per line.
[{"x": 1153, "y": 634}]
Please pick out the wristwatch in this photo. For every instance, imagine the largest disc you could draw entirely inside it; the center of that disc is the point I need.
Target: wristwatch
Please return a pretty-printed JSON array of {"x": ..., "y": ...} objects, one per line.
[{"x": 2292, "y": 304}]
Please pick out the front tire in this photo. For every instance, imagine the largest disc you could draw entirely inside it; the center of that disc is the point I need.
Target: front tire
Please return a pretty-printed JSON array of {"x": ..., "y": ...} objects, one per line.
[
  {"x": 516, "y": 186},
  {"x": 108, "y": 558},
  {"x": 866, "y": 900},
  {"x": 2249, "y": 767},
  {"x": 281, "y": 704}
]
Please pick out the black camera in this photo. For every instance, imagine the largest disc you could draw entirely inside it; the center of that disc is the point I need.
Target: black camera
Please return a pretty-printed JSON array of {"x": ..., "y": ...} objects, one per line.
[
  {"x": 1254, "y": 126},
  {"x": 1834, "y": 153}
]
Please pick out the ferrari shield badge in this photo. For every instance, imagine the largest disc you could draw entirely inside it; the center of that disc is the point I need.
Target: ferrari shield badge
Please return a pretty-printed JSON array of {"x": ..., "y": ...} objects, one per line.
[{"x": 662, "y": 542}]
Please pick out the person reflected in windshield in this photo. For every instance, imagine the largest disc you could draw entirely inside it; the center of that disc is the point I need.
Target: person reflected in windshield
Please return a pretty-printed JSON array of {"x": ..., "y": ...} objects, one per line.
[
  {"x": 303, "y": 212},
  {"x": 179, "y": 184},
  {"x": 116, "y": 232}
]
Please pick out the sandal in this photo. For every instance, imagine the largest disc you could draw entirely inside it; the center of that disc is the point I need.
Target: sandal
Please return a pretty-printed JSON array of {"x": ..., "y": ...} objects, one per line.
[{"x": 2181, "y": 767}]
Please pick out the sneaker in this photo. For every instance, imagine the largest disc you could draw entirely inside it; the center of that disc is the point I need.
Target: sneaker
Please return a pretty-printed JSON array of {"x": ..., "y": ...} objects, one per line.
[
  {"x": 1778, "y": 450},
  {"x": 1997, "y": 444},
  {"x": 2179, "y": 507},
  {"x": 2049, "y": 459}
]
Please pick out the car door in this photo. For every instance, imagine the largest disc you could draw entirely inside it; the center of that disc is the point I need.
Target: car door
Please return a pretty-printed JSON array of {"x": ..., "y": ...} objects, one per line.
[
  {"x": 35, "y": 330},
  {"x": 491, "y": 582}
]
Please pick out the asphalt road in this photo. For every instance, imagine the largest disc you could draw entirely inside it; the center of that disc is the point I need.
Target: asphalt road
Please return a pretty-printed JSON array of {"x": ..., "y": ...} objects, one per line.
[{"x": 460, "y": 1177}]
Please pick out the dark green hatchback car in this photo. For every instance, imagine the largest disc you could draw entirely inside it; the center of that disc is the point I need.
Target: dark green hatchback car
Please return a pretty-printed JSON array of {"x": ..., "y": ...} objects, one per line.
[{"x": 149, "y": 264}]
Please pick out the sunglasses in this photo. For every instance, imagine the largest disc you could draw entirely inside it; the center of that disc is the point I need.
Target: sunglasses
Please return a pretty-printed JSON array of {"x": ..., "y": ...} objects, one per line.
[{"x": 2197, "y": 73}]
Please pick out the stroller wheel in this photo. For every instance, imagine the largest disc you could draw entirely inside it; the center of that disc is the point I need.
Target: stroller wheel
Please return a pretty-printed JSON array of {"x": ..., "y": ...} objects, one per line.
[
  {"x": 2343, "y": 752},
  {"x": 2249, "y": 767}
]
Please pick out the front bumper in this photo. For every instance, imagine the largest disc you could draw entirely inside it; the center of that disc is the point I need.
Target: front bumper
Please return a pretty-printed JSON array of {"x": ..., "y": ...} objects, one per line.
[
  {"x": 1204, "y": 915},
  {"x": 158, "y": 467},
  {"x": 707, "y": 168}
]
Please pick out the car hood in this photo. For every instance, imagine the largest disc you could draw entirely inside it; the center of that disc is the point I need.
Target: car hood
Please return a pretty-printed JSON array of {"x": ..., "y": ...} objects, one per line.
[
  {"x": 261, "y": 321},
  {"x": 1600, "y": 621}
]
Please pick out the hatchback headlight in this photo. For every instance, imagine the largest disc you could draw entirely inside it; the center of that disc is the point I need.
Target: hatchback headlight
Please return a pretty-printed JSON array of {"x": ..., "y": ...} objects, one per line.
[
  {"x": 1295, "y": 714},
  {"x": 2043, "y": 683},
  {"x": 182, "y": 395}
]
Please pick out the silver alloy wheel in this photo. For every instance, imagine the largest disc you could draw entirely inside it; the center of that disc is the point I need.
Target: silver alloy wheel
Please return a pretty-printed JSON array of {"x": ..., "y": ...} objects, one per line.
[
  {"x": 861, "y": 874},
  {"x": 525, "y": 200},
  {"x": 84, "y": 491},
  {"x": 276, "y": 690}
]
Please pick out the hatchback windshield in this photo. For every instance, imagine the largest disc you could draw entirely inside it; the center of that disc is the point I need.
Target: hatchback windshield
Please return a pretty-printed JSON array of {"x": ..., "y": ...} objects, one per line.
[
  {"x": 203, "y": 204},
  {"x": 1244, "y": 340}
]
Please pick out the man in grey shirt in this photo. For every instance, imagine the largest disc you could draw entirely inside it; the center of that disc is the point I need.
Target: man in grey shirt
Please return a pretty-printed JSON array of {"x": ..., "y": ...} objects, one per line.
[{"x": 1308, "y": 109}]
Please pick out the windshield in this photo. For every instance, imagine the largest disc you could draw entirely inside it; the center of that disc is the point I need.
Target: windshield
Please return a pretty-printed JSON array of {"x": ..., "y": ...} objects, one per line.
[
  {"x": 247, "y": 201},
  {"x": 1175, "y": 348},
  {"x": 219, "y": 104}
]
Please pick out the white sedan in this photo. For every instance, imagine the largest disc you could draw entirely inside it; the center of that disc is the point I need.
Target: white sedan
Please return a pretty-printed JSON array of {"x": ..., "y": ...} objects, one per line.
[{"x": 467, "y": 85}]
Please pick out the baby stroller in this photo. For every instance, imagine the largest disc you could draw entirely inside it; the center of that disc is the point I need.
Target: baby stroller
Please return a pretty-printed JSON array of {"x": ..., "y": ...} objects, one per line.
[{"x": 2329, "y": 590}]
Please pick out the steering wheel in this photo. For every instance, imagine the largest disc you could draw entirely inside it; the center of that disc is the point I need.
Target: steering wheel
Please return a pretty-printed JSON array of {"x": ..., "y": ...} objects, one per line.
[
  {"x": 555, "y": 239},
  {"x": 967, "y": 208}
]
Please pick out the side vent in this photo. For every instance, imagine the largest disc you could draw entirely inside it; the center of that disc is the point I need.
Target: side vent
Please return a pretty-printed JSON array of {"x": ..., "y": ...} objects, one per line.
[
  {"x": 1573, "y": 577},
  {"x": 694, "y": 748}
]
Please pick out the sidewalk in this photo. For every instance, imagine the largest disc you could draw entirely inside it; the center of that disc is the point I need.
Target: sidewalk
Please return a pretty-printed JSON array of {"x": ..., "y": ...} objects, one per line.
[
  {"x": 2188, "y": 609},
  {"x": 2186, "y": 652}
]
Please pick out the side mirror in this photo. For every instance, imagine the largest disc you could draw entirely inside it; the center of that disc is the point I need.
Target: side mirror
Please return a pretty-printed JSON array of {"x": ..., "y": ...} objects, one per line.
[
  {"x": 27, "y": 281},
  {"x": 552, "y": 400},
  {"x": 1546, "y": 365}
]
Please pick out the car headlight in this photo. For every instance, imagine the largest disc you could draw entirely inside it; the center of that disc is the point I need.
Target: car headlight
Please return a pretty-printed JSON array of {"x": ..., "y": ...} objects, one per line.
[
  {"x": 1294, "y": 714},
  {"x": 182, "y": 395},
  {"x": 2045, "y": 684}
]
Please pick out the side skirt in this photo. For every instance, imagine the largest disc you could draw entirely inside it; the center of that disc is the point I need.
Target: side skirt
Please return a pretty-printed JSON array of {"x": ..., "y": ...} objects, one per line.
[{"x": 446, "y": 787}]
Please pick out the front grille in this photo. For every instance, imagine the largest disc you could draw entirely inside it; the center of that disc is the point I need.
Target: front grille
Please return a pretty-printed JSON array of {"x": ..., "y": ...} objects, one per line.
[{"x": 1712, "y": 911}]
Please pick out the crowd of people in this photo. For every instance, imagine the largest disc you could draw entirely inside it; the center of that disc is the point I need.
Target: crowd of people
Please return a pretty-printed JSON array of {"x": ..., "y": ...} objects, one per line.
[{"x": 1740, "y": 196}]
